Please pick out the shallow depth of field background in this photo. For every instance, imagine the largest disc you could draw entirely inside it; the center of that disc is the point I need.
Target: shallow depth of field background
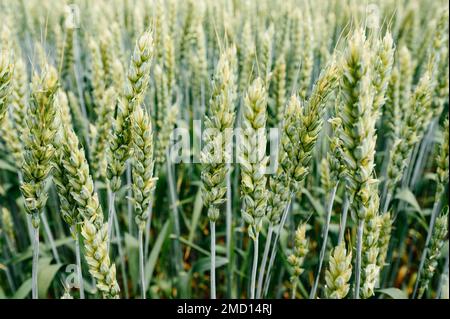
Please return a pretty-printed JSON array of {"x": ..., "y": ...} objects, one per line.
[{"x": 290, "y": 62}]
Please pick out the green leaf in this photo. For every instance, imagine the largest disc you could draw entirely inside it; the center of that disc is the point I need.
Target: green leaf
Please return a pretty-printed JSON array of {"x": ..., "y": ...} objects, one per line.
[
  {"x": 197, "y": 211},
  {"x": 4, "y": 165},
  {"x": 43, "y": 248},
  {"x": 204, "y": 264},
  {"x": 2, "y": 293},
  {"x": 24, "y": 290},
  {"x": 318, "y": 208},
  {"x": 132, "y": 248},
  {"x": 46, "y": 274},
  {"x": 407, "y": 196},
  {"x": 190, "y": 244},
  {"x": 151, "y": 262},
  {"x": 394, "y": 293}
]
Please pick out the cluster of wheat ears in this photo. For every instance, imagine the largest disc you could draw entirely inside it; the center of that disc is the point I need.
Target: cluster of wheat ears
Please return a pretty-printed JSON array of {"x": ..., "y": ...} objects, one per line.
[{"x": 92, "y": 203}]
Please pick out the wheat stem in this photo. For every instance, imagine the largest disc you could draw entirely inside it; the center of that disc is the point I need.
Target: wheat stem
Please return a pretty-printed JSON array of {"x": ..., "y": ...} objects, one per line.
[
  {"x": 275, "y": 245},
  {"x": 121, "y": 256},
  {"x": 148, "y": 225},
  {"x": 358, "y": 260},
  {"x": 343, "y": 219},
  {"x": 50, "y": 238},
  {"x": 228, "y": 222},
  {"x": 111, "y": 214},
  {"x": 175, "y": 214},
  {"x": 141, "y": 263},
  {"x": 78, "y": 261},
  {"x": 34, "y": 273},
  {"x": 262, "y": 268},
  {"x": 212, "y": 226},
  {"x": 434, "y": 213},
  {"x": 255, "y": 266},
  {"x": 424, "y": 146},
  {"x": 129, "y": 197},
  {"x": 294, "y": 288},
  {"x": 324, "y": 243}
]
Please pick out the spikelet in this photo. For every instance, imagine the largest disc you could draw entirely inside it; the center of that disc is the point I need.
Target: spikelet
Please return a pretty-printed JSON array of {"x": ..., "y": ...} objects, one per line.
[
  {"x": 307, "y": 55},
  {"x": 67, "y": 55},
  {"x": 163, "y": 137},
  {"x": 106, "y": 47},
  {"x": 338, "y": 274},
  {"x": 162, "y": 97},
  {"x": 406, "y": 78},
  {"x": 187, "y": 31},
  {"x": 252, "y": 157},
  {"x": 442, "y": 82},
  {"x": 383, "y": 60},
  {"x": 408, "y": 132},
  {"x": 385, "y": 221},
  {"x": 142, "y": 172},
  {"x": 278, "y": 91},
  {"x": 246, "y": 57},
  {"x": 6, "y": 73},
  {"x": 42, "y": 126},
  {"x": 97, "y": 73},
  {"x": 265, "y": 56},
  {"x": 103, "y": 125},
  {"x": 95, "y": 243},
  {"x": 437, "y": 242},
  {"x": 278, "y": 197},
  {"x": 442, "y": 162},
  {"x": 299, "y": 251},
  {"x": 12, "y": 139},
  {"x": 391, "y": 112},
  {"x": 295, "y": 54},
  {"x": 169, "y": 64},
  {"x": 8, "y": 227},
  {"x": 370, "y": 248},
  {"x": 18, "y": 101}
]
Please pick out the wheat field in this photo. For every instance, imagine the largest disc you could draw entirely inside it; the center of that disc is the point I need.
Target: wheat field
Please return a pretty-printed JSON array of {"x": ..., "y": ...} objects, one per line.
[{"x": 224, "y": 149}]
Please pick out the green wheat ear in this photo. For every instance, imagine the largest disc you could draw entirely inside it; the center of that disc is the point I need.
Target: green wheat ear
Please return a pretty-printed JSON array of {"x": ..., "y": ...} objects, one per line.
[
  {"x": 253, "y": 159},
  {"x": 143, "y": 163},
  {"x": 338, "y": 274},
  {"x": 138, "y": 77},
  {"x": 436, "y": 245},
  {"x": 6, "y": 74},
  {"x": 39, "y": 149},
  {"x": 299, "y": 251}
]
